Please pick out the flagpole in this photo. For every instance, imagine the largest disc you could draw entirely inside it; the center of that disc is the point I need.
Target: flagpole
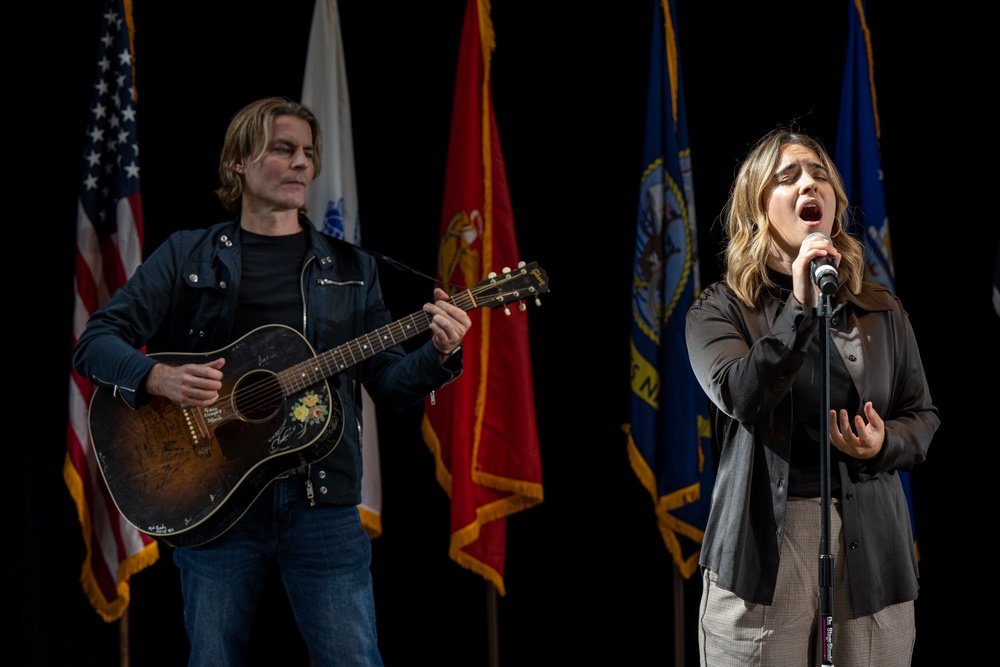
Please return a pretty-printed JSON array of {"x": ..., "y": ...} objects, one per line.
[
  {"x": 492, "y": 624},
  {"x": 678, "y": 618},
  {"x": 123, "y": 640}
]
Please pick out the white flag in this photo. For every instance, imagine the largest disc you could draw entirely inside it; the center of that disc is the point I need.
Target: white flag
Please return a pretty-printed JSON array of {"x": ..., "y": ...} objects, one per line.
[{"x": 333, "y": 200}]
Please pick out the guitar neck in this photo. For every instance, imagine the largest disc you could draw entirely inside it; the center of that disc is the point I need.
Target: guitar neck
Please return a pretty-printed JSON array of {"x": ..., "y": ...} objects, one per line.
[
  {"x": 497, "y": 290},
  {"x": 342, "y": 357}
]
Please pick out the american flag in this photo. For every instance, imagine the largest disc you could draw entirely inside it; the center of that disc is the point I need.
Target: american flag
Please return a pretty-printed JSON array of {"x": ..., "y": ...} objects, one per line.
[{"x": 108, "y": 251}]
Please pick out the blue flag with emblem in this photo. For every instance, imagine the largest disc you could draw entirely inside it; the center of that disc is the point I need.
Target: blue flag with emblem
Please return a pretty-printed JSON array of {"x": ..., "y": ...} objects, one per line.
[
  {"x": 669, "y": 439},
  {"x": 858, "y": 158}
]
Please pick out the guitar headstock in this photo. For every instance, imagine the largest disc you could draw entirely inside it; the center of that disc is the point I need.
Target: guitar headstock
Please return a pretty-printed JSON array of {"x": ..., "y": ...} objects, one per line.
[{"x": 524, "y": 282}]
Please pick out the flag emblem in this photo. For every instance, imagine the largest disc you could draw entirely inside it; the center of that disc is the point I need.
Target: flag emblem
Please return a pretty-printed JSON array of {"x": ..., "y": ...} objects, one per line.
[
  {"x": 458, "y": 253},
  {"x": 663, "y": 251}
]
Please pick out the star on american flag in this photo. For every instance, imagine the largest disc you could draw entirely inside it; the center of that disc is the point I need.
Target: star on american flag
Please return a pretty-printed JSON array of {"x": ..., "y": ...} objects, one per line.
[{"x": 111, "y": 157}]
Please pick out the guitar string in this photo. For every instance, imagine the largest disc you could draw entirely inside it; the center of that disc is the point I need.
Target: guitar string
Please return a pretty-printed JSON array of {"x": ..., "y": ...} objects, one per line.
[
  {"x": 249, "y": 398},
  {"x": 246, "y": 400},
  {"x": 307, "y": 373}
]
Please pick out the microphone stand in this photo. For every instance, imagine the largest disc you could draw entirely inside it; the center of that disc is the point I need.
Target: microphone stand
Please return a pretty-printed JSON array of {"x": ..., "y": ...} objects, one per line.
[{"x": 823, "y": 310}]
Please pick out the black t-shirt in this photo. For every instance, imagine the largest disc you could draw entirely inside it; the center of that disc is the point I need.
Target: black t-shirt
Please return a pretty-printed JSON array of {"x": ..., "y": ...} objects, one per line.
[
  {"x": 270, "y": 290},
  {"x": 807, "y": 393}
]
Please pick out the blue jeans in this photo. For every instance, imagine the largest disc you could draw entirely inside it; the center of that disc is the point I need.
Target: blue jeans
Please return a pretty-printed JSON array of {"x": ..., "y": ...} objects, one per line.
[{"x": 323, "y": 556}]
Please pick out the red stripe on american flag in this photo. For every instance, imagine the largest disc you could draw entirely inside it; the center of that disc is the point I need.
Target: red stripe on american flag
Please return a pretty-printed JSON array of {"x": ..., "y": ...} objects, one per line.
[
  {"x": 86, "y": 290},
  {"x": 114, "y": 272}
]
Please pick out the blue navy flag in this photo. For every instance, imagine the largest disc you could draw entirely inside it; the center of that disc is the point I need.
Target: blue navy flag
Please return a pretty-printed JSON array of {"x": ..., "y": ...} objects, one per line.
[
  {"x": 669, "y": 441},
  {"x": 857, "y": 151},
  {"x": 858, "y": 158}
]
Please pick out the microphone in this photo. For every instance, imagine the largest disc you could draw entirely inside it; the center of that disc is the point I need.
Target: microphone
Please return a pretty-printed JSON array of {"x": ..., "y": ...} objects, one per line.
[{"x": 824, "y": 269}]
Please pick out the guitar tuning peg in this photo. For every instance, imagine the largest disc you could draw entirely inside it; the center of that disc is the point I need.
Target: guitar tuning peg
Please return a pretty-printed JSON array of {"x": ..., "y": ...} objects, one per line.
[
  {"x": 521, "y": 264},
  {"x": 506, "y": 310},
  {"x": 492, "y": 274},
  {"x": 538, "y": 302},
  {"x": 506, "y": 270},
  {"x": 522, "y": 306}
]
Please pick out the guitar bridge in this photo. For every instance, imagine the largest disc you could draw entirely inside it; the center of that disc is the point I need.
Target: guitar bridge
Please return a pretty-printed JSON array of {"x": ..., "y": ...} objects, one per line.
[{"x": 194, "y": 419}]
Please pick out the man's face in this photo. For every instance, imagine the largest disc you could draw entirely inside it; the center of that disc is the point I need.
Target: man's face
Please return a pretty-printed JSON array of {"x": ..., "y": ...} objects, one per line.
[{"x": 278, "y": 181}]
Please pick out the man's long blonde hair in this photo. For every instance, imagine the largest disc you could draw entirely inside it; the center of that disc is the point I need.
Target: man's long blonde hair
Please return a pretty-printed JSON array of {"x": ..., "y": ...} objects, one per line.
[{"x": 247, "y": 138}]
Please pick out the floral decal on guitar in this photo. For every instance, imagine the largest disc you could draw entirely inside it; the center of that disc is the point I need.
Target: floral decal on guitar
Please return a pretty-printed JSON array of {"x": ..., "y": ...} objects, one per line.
[{"x": 309, "y": 411}]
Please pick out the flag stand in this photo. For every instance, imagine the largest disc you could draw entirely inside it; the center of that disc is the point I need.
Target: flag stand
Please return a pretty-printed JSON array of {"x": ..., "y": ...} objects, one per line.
[{"x": 492, "y": 624}]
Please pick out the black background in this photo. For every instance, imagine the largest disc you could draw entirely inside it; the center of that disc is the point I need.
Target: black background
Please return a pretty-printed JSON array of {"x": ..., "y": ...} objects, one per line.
[{"x": 588, "y": 578}]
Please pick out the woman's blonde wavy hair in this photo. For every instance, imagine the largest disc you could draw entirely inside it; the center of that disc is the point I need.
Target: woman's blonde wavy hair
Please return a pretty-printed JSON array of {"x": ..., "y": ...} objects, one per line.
[
  {"x": 747, "y": 226},
  {"x": 246, "y": 141}
]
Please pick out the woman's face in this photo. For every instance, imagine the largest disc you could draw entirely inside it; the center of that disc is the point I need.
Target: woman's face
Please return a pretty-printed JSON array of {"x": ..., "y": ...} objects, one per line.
[{"x": 801, "y": 201}]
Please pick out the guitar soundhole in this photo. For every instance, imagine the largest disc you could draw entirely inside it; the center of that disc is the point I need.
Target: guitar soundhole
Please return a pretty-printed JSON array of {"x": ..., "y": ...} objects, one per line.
[{"x": 257, "y": 396}]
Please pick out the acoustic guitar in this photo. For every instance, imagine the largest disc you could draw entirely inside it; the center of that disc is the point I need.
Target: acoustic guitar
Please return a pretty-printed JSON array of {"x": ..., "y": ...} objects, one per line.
[{"x": 185, "y": 475}]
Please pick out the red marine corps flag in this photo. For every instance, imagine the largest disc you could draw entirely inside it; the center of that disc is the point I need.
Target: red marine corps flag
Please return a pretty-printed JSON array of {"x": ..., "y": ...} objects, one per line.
[{"x": 482, "y": 427}]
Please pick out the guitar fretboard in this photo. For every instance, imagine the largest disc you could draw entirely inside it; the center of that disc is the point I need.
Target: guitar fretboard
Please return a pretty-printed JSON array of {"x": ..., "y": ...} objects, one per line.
[{"x": 342, "y": 357}]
